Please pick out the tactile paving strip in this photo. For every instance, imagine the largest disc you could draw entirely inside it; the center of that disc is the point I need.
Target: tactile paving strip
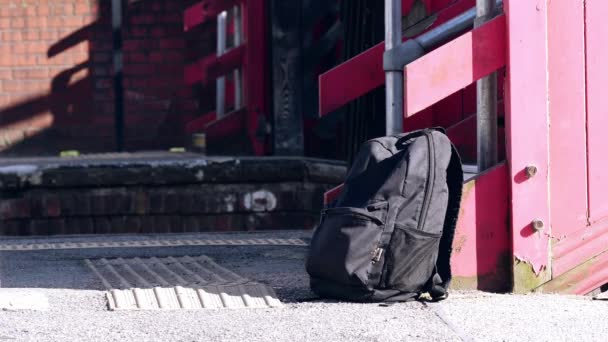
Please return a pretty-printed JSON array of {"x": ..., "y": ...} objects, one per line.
[
  {"x": 13, "y": 246},
  {"x": 174, "y": 283}
]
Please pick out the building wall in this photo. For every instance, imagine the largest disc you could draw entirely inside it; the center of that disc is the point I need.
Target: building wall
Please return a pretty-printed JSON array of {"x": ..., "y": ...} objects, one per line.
[{"x": 56, "y": 90}]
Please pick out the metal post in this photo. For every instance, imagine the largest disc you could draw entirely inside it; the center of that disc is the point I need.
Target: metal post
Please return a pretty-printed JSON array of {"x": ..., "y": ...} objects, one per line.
[
  {"x": 487, "y": 130},
  {"x": 119, "y": 120},
  {"x": 220, "y": 84},
  {"x": 394, "y": 79},
  {"x": 238, "y": 82},
  {"x": 287, "y": 59}
]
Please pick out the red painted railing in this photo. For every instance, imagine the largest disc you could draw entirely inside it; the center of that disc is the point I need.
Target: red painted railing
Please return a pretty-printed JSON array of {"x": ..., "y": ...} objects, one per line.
[
  {"x": 250, "y": 57},
  {"x": 428, "y": 80},
  {"x": 454, "y": 66},
  {"x": 364, "y": 72},
  {"x": 450, "y": 68},
  {"x": 554, "y": 120}
]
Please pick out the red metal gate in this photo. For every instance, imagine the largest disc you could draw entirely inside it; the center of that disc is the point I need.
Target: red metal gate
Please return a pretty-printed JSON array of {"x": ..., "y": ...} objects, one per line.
[{"x": 539, "y": 219}]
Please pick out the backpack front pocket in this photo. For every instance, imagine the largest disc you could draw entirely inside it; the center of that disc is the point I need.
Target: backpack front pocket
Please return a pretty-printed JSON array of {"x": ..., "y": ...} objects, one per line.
[
  {"x": 411, "y": 257},
  {"x": 345, "y": 244}
]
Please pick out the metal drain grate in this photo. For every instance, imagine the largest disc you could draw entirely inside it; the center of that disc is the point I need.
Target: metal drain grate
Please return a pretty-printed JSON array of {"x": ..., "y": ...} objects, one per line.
[
  {"x": 12, "y": 246},
  {"x": 178, "y": 283}
]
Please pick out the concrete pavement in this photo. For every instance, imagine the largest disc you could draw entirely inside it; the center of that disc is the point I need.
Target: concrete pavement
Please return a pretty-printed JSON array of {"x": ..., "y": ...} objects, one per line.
[{"x": 78, "y": 310}]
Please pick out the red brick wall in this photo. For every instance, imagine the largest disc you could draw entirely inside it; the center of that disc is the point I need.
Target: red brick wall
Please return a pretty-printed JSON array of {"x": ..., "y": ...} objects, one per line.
[{"x": 56, "y": 75}]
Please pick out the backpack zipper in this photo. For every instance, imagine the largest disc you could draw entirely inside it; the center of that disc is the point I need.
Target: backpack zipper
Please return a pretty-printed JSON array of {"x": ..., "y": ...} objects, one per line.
[
  {"x": 377, "y": 253},
  {"x": 429, "y": 181},
  {"x": 352, "y": 212}
]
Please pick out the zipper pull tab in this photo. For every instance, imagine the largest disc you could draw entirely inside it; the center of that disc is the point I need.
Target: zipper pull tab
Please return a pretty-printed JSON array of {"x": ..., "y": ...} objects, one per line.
[
  {"x": 376, "y": 206},
  {"x": 377, "y": 255}
]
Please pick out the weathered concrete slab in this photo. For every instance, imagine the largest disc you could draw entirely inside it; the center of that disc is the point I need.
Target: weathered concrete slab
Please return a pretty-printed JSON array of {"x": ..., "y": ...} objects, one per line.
[
  {"x": 161, "y": 193},
  {"x": 159, "y": 168},
  {"x": 21, "y": 299}
]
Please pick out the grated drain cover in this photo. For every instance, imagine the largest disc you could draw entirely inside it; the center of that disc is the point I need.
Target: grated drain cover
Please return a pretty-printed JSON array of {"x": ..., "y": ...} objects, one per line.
[
  {"x": 178, "y": 283},
  {"x": 138, "y": 243}
]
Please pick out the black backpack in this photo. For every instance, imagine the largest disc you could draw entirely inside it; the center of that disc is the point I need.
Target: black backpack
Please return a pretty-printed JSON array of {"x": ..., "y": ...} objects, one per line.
[{"x": 388, "y": 236}]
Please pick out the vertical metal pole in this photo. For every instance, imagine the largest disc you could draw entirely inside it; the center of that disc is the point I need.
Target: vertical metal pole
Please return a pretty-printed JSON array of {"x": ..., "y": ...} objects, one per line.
[
  {"x": 118, "y": 73},
  {"x": 287, "y": 58},
  {"x": 220, "y": 83},
  {"x": 394, "y": 79},
  {"x": 487, "y": 130},
  {"x": 238, "y": 82}
]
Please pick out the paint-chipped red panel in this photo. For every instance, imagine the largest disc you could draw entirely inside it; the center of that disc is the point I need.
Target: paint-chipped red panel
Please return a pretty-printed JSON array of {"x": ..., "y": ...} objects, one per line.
[
  {"x": 526, "y": 102},
  {"x": 482, "y": 242},
  {"x": 593, "y": 277},
  {"x": 581, "y": 280},
  {"x": 597, "y": 106},
  {"x": 567, "y": 107},
  {"x": 454, "y": 66},
  {"x": 579, "y": 246},
  {"x": 363, "y": 73}
]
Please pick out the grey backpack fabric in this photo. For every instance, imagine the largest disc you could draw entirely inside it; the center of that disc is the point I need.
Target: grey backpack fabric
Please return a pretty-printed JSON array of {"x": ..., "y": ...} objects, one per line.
[{"x": 389, "y": 234}]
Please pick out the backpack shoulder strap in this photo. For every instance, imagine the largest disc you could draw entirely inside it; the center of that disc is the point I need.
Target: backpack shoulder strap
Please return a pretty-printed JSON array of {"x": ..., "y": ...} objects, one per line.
[{"x": 440, "y": 281}]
